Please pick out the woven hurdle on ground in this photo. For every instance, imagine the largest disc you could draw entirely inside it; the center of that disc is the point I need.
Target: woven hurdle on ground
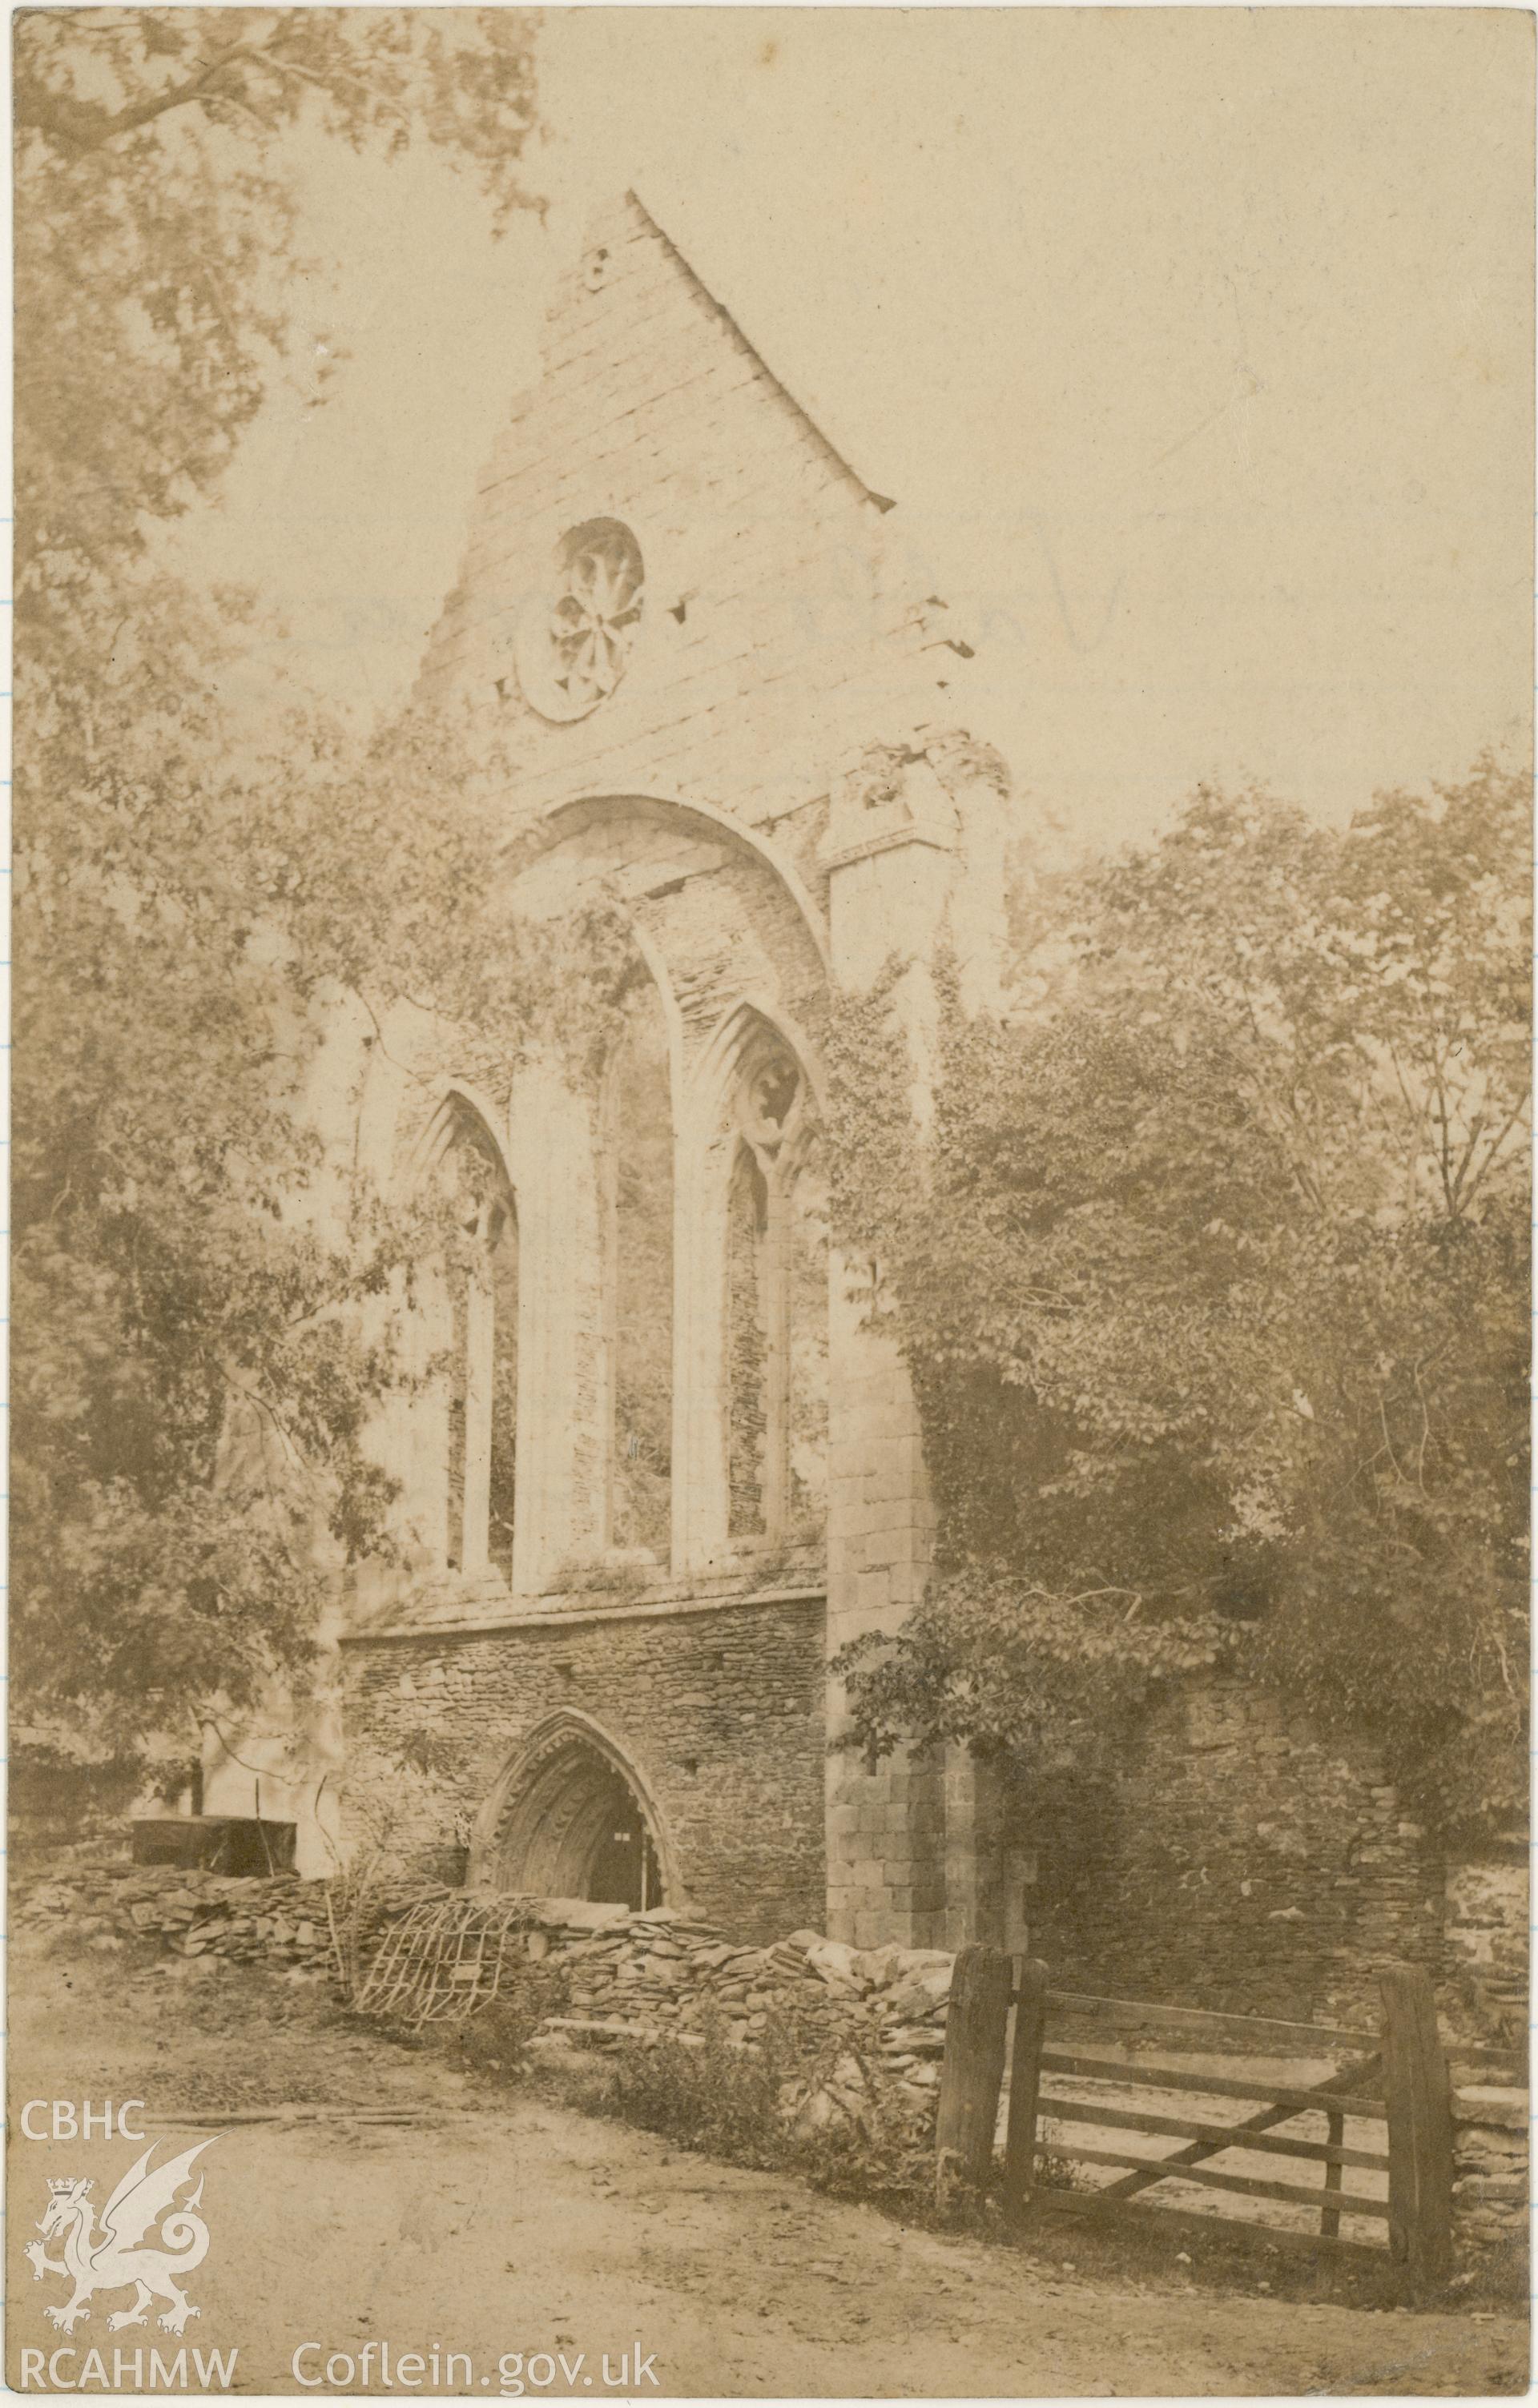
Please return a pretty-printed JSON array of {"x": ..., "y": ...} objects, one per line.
[{"x": 446, "y": 1957}]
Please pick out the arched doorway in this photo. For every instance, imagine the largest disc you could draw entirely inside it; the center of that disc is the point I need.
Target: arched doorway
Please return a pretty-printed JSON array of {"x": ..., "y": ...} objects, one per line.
[{"x": 569, "y": 1818}]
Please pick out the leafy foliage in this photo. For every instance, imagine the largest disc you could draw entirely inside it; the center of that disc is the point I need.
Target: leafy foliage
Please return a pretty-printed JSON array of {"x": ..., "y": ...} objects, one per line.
[
  {"x": 197, "y": 1362},
  {"x": 155, "y": 264},
  {"x": 1213, "y": 1296},
  {"x": 496, "y": 2044},
  {"x": 759, "y": 2107}
]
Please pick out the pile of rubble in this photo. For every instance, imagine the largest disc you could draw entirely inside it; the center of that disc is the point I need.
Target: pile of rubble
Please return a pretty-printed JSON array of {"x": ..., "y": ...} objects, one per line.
[
  {"x": 661, "y": 1973},
  {"x": 279, "y": 1921},
  {"x": 641, "y": 1973}
]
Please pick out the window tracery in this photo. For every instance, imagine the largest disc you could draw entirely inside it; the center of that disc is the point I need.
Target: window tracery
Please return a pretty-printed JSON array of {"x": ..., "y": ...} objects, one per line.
[{"x": 576, "y": 639}]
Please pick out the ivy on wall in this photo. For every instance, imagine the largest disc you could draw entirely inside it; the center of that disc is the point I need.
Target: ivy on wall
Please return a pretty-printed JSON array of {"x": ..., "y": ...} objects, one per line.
[{"x": 1210, "y": 1277}]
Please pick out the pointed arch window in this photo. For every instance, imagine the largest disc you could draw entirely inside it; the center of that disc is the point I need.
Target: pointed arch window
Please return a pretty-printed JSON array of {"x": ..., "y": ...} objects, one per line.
[
  {"x": 480, "y": 1350},
  {"x": 775, "y": 1317},
  {"x": 639, "y": 1277}
]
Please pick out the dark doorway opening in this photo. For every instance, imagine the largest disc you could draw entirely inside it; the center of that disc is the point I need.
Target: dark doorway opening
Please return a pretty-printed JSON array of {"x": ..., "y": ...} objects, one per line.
[
  {"x": 624, "y": 1868},
  {"x": 579, "y": 1830}
]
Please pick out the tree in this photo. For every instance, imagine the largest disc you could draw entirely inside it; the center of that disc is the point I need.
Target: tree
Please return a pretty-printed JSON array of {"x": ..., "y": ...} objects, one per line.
[
  {"x": 1215, "y": 1302},
  {"x": 193, "y": 1376},
  {"x": 156, "y": 256}
]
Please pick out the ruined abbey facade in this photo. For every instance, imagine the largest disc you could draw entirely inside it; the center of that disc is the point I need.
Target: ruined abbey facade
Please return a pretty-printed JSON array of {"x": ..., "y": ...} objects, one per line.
[
  {"x": 727, "y": 711},
  {"x": 662, "y": 1462},
  {"x": 655, "y": 1467}
]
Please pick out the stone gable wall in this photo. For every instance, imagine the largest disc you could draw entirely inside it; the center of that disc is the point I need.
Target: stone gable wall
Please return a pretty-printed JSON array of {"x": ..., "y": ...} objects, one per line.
[
  {"x": 1252, "y": 1865},
  {"x": 777, "y": 638},
  {"x": 783, "y": 648}
]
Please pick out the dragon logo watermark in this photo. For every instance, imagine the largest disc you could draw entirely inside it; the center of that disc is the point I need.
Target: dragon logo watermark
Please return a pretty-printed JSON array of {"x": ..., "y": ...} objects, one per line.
[{"x": 116, "y": 2258}]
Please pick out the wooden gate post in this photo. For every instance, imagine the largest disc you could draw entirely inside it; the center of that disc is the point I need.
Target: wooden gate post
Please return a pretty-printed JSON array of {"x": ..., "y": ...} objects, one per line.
[
  {"x": 972, "y": 2073},
  {"x": 1420, "y": 2128},
  {"x": 1030, "y": 2016}
]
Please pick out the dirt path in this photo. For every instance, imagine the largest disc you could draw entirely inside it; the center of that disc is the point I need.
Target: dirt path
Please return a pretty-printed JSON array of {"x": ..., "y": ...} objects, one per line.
[{"x": 531, "y": 2228}]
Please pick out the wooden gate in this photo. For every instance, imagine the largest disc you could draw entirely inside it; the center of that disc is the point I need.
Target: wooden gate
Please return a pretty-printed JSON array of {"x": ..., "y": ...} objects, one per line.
[{"x": 1390, "y": 2086}]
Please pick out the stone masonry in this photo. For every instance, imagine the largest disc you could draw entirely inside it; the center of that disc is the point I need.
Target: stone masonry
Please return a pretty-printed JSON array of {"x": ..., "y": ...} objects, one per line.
[
  {"x": 875, "y": 2018},
  {"x": 774, "y": 788},
  {"x": 1250, "y": 1865},
  {"x": 731, "y": 710},
  {"x": 722, "y": 1707}
]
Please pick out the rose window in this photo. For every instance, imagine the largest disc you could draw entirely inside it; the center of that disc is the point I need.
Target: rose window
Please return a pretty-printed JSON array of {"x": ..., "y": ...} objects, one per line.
[{"x": 576, "y": 639}]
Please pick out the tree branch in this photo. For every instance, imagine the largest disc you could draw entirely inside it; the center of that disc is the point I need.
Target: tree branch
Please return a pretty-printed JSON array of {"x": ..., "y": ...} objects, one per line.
[{"x": 81, "y": 125}]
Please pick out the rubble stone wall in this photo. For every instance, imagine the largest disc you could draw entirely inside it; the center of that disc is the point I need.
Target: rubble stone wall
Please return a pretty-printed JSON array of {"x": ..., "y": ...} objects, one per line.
[
  {"x": 720, "y": 1712},
  {"x": 1487, "y": 1937},
  {"x": 1491, "y": 2180},
  {"x": 661, "y": 1974},
  {"x": 883, "y": 2011},
  {"x": 1249, "y": 1864},
  {"x": 279, "y": 1925}
]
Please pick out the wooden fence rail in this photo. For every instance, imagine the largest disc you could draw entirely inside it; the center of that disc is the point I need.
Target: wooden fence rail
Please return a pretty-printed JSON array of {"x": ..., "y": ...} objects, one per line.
[{"x": 1396, "y": 2079}]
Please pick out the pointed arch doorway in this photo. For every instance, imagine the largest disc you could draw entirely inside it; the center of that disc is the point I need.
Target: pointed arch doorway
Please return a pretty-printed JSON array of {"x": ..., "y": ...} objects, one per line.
[{"x": 570, "y": 1817}]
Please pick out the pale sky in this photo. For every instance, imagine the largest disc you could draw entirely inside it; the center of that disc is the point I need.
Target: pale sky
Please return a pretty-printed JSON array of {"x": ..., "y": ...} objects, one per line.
[{"x": 1195, "y": 346}]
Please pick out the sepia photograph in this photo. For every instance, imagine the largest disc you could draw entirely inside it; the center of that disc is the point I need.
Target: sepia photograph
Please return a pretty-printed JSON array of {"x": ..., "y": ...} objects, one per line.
[{"x": 771, "y": 1202}]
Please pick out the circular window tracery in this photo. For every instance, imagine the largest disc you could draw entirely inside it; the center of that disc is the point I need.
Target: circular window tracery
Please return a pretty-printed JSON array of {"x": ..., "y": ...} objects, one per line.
[{"x": 576, "y": 639}]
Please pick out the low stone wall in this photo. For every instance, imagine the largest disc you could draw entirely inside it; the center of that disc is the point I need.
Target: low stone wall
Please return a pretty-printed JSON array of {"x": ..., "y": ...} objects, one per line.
[
  {"x": 279, "y": 1923},
  {"x": 655, "y": 1973},
  {"x": 1248, "y": 1865},
  {"x": 1486, "y": 1940},
  {"x": 664, "y": 1974},
  {"x": 658, "y": 1974},
  {"x": 1490, "y": 2186}
]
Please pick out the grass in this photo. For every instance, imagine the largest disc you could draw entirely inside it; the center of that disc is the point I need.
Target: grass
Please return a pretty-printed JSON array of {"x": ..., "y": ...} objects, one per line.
[
  {"x": 800, "y": 2102},
  {"x": 206, "y": 2035},
  {"x": 876, "y": 2147}
]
